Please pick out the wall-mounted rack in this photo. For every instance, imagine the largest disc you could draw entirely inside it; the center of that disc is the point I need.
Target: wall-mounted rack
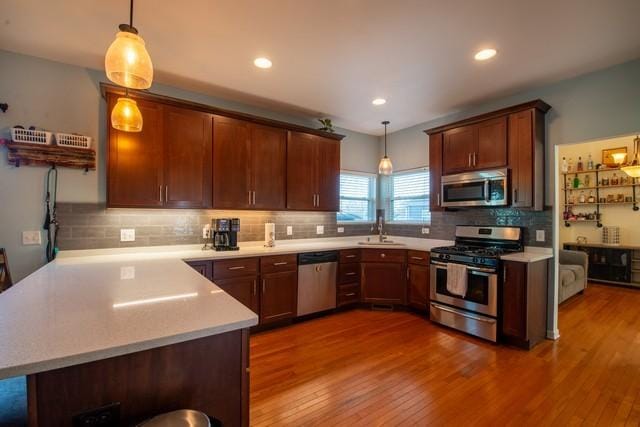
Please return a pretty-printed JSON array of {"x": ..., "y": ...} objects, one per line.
[
  {"x": 633, "y": 185},
  {"x": 22, "y": 154}
]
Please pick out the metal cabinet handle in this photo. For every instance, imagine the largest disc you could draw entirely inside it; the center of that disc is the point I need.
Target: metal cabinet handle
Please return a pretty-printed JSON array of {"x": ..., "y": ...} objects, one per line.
[
  {"x": 280, "y": 263},
  {"x": 475, "y": 159},
  {"x": 350, "y": 256},
  {"x": 318, "y": 200},
  {"x": 351, "y": 273},
  {"x": 462, "y": 313},
  {"x": 264, "y": 286},
  {"x": 254, "y": 198},
  {"x": 255, "y": 288},
  {"x": 166, "y": 193},
  {"x": 350, "y": 294},
  {"x": 160, "y": 191},
  {"x": 249, "y": 194},
  {"x": 438, "y": 199},
  {"x": 417, "y": 258},
  {"x": 515, "y": 195},
  {"x": 239, "y": 267}
]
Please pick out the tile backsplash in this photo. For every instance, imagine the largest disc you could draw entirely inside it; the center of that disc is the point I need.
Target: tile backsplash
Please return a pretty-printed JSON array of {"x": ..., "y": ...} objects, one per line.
[{"x": 92, "y": 226}]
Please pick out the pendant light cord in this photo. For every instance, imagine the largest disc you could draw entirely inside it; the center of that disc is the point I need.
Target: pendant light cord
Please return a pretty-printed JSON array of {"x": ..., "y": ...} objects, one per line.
[{"x": 131, "y": 14}]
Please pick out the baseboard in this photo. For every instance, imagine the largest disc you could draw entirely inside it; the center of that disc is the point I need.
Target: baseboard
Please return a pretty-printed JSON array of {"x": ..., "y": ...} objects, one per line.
[{"x": 553, "y": 335}]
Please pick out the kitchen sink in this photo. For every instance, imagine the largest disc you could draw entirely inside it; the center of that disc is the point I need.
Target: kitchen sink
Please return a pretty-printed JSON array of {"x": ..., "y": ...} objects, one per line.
[{"x": 379, "y": 243}]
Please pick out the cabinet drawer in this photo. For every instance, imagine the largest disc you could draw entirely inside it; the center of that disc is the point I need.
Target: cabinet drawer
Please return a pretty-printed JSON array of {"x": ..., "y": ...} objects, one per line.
[
  {"x": 418, "y": 257},
  {"x": 349, "y": 255},
  {"x": 276, "y": 263},
  {"x": 348, "y": 273},
  {"x": 227, "y": 269},
  {"x": 383, "y": 255},
  {"x": 348, "y": 294}
]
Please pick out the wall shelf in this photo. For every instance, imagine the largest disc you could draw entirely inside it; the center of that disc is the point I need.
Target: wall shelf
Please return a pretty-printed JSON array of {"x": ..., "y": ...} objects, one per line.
[{"x": 20, "y": 154}]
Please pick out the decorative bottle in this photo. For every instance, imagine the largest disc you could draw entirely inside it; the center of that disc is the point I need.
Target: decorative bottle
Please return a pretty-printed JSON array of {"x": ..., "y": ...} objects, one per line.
[
  {"x": 580, "y": 167},
  {"x": 576, "y": 182},
  {"x": 590, "y": 163},
  {"x": 592, "y": 198},
  {"x": 570, "y": 166},
  {"x": 572, "y": 199},
  {"x": 565, "y": 165},
  {"x": 582, "y": 198},
  {"x": 587, "y": 180}
]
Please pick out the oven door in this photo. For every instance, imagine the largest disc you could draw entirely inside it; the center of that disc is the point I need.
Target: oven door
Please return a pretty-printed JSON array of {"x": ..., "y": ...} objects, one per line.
[
  {"x": 482, "y": 289},
  {"x": 475, "y": 189}
]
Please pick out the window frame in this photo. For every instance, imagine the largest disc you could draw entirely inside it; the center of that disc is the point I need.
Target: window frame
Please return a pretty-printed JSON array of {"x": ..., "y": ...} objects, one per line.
[
  {"x": 371, "y": 199},
  {"x": 389, "y": 199}
]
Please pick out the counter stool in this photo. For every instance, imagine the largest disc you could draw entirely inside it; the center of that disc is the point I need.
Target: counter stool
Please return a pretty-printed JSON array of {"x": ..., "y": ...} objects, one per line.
[
  {"x": 5, "y": 276},
  {"x": 181, "y": 418}
]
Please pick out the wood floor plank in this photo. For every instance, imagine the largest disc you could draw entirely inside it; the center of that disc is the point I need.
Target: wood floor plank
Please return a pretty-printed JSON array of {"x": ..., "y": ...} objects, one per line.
[{"x": 394, "y": 368}]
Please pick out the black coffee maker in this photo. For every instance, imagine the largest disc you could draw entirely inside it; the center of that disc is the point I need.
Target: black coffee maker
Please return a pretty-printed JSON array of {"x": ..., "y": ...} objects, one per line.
[{"x": 225, "y": 234}]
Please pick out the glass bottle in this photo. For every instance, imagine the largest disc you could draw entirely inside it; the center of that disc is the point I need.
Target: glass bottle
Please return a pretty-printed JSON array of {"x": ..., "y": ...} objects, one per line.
[
  {"x": 587, "y": 180},
  {"x": 571, "y": 199},
  {"x": 570, "y": 165},
  {"x": 614, "y": 179},
  {"x": 592, "y": 198},
  {"x": 576, "y": 182},
  {"x": 582, "y": 198},
  {"x": 580, "y": 167},
  {"x": 565, "y": 165}
]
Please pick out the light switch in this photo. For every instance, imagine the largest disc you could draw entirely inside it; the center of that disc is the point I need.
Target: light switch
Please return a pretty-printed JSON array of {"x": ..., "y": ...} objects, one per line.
[
  {"x": 425, "y": 230},
  {"x": 319, "y": 229},
  {"x": 540, "y": 237},
  {"x": 31, "y": 237},
  {"x": 340, "y": 229},
  {"x": 127, "y": 234},
  {"x": 289, "y": 230}
]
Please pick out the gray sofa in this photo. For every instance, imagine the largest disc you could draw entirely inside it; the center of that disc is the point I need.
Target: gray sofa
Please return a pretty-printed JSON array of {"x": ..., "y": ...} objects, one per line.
[{"x": 574, "y": 269}]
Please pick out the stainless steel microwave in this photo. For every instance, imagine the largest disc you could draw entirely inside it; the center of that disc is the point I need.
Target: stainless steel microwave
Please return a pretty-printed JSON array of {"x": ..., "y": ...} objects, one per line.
[{"x": 482, "y": 188}]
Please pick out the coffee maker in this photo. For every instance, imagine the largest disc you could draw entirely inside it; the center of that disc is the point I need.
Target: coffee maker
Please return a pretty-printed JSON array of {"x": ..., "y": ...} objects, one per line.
[{"x": 225, "y": 234}]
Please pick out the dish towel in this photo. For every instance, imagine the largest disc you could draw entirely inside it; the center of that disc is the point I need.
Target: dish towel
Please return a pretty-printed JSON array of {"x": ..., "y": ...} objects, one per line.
[{"x": 457, "y": 279}]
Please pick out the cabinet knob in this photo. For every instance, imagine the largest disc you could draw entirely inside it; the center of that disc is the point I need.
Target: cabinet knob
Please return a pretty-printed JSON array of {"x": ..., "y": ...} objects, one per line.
[{"x": 382, "y": 255}]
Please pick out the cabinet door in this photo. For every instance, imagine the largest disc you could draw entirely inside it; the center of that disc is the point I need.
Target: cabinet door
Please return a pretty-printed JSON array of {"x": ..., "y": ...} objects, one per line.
[
  {"x": 268, "y": 167},
  {"x": 279, "y": 296},
  {"x": 231, "y": 163},
  {"x": 521, "y": 158},
  {"x": 328, "y": 174},
  {"x": 188, "y": 158},
  {"x": 435, "y": 171},
  {"x": 514, "y": 300},
  {"x": 459, "y": 144},
  {"x": 418, "y": 286},
  {"x": 244, "y": 289},
  {"x": 492, "y": 144},
  {"x": 383, "y": 283},
  {"x": 134, "y": 164},
  {"x": 203, "y": 267},
  {"x": 301, "y": 171}
]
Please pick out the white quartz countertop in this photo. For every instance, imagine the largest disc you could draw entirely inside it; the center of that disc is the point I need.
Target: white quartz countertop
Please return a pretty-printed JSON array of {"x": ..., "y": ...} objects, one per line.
[
  {"x": 93, "y": 304},
  {"x": 528, "y": 256}
]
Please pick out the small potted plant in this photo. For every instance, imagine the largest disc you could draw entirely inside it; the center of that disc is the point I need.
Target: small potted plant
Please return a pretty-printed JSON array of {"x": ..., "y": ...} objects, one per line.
[{"x": 327, "y": 126}]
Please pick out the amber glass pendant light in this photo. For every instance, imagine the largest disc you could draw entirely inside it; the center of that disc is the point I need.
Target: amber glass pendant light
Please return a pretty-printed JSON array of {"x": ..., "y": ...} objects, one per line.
[
  {"x": 126, "y": 115},
  {"x": 385, "y": 167},
  {"x": 633, "y": 168},
  {"x": 127, "y": 62}
]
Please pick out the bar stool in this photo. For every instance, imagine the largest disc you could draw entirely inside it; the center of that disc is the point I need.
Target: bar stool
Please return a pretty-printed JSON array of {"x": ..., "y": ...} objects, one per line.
[
  {"x": 181, "y": 418},
  {"x": 5, "y": 275}
]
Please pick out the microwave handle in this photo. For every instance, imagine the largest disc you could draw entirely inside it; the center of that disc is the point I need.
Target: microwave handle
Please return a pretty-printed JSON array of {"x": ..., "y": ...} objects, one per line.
[{"x": 487, "y": 196}]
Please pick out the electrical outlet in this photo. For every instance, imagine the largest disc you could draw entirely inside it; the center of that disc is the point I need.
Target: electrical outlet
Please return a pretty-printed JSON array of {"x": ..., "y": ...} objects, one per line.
[
  {"x": 289, "y": 230},
  {"x": 106, "y": 416},
  {"x": 425, "y": 230},
  {"x": 540, "y": 237},
  {"x": 127, "y": 272},
  {"x": 319, "y": 229},
  {"x": 127, "y": 234},
  {"x": 340, "y": 229},
  {"x": 31, "y": 237}
]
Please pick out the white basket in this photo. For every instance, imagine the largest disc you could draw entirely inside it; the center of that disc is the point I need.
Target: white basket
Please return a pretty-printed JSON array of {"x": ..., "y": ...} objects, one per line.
[
  {"x": 75, "y": 141},
  {"x": 40, "y": 137},
  {"x": 611, "y": 235}
]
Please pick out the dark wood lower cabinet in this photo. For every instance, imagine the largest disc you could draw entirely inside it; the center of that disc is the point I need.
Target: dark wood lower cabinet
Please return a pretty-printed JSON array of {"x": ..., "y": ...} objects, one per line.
[
  {"x": 207, "y": 374},
  {"x": 278, "y": 296},
  {"x": 244, "y": 289},
  {"x": 524, "y": 303},
  {"x": 383, "y": 282},
  {"x": 418, "y": 286},
  {"x": 203, "y": 267}
]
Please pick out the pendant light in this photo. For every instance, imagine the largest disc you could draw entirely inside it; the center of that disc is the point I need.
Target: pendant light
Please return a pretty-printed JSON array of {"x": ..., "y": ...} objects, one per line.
[
  {"x": 126, "y": 115},
  {"x": 385, "y": 167},
  {"x": 127, "y": 61},
  {"x": 633, "y": 168}
]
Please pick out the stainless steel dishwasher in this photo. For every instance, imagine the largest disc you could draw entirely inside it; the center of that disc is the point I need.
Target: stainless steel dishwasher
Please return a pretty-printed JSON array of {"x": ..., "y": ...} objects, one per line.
[{"x": 317, "y": 281}]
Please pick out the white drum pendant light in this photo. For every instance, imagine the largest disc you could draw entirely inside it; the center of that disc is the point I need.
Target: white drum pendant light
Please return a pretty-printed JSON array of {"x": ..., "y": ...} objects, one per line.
[
  {"x": 385, "y": 167},
  {"x": 127, "y": 62}
]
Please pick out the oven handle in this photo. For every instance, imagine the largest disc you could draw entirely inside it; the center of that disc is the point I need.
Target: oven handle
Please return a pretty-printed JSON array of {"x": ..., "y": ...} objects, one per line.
[
  {"x": 473, "y": 269},
  {"x": 462, "y": 313}
]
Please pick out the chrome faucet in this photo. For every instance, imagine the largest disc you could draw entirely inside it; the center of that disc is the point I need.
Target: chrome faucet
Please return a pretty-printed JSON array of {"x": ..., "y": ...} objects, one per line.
[{"x": 379, "y": 227}]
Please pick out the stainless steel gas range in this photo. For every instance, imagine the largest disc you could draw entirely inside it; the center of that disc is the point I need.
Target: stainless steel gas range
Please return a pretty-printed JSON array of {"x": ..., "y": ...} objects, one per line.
[{"x": 465, "y": 278}]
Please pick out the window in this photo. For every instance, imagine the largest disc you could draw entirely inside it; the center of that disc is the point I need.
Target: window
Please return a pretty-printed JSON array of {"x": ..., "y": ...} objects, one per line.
[
  {"x": 357, "y": 197},
  {"x": 408, "y": 196}
]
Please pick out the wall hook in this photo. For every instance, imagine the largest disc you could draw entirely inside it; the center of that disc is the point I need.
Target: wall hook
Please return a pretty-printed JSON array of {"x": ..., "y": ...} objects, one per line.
[{"x": 4, "y": 107}]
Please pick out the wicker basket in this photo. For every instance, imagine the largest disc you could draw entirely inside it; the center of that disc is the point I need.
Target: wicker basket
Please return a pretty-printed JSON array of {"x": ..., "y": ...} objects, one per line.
[
  {"x": 71, "y": 140},
  {"x": 611, "y": 235},
  {"x": 28, "y": 136}
]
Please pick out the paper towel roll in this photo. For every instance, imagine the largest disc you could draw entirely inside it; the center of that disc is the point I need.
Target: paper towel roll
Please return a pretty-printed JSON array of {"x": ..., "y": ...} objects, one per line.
[{"x": 269, "y": 234}]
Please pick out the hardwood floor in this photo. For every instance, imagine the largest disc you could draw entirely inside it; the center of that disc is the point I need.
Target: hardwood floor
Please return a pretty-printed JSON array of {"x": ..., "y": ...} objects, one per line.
[{"x": 379, "y": 368}]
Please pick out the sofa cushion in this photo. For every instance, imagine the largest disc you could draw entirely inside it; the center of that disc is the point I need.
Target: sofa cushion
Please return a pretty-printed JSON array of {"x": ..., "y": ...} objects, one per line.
[
  {"x": 578, "y": 270},
  {"x": 567, "y": 276}
]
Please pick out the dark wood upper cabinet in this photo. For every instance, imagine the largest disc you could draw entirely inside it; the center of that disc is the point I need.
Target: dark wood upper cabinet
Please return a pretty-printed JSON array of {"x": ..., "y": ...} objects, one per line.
[
  {"x": 278, "y": 296},
  {"x": 231, "y": 163},
  {"x": 268, "y": 167},
  {"x": 187, "y": 158},
  {"x": 135, "y": 161},
  {"x": 526, "y": 159},
  {"x": 458, "y": 147},
  {"x": 435, "y": 172},
  {"x": 313, "y": 172},
  {"x": 491, "y": 151}
]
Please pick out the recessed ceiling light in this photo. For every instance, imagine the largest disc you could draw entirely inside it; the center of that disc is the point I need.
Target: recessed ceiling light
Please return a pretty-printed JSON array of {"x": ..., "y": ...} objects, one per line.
[
  {"x": 262, "y": 63},
  {"x": 485, "y": 54},
  {"x": 379, "y": 101}
]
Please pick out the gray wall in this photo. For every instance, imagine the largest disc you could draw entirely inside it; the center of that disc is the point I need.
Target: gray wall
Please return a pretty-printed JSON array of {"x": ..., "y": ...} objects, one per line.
[
  {"x": 602, "y": 104},
  {"x": 64, "y": 97}
]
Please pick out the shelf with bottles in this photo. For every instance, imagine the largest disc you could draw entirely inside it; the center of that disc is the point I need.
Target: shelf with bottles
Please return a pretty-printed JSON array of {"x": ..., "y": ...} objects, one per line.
[
  {"x": 597, "y": 170},
  {"x": 599, "y": 203},
  {"x": 601, "y": 187}
]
